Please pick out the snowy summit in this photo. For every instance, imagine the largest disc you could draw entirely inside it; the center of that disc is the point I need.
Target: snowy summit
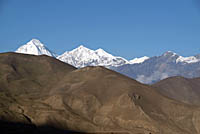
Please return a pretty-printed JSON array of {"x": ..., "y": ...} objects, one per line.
[
  {"x": 138, "y": 60},
  {"x": 82, "y": 56},
  {"x": 35, "y": 47}
]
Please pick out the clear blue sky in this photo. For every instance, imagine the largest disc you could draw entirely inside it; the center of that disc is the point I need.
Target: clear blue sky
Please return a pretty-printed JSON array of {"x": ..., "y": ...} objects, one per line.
[{"x": 128, "y": 28}]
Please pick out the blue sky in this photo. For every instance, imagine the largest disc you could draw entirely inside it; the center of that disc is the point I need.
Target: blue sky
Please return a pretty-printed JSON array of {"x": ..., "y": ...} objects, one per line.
[{"x": 127, "y": 28}]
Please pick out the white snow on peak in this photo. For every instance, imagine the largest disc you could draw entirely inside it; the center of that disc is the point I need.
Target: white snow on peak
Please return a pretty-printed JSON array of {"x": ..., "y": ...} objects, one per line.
[
  {"x": 35, "y": 47},
  {"x": 170, "y": 53},
  {"x": 103, "y": 53},
  {"x": 190, "y": 59},
  {"x": 181, "y": 59},
  {"x": 82, "y": 56},
  {"x": 81, "y": 48},
  {"x": 138, "y": 60},
  {"x": 36, "y": 42}
]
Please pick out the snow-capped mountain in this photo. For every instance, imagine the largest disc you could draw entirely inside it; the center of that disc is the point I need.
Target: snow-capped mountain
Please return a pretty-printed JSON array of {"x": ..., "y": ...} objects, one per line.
[
  {"x": 79, "y": 57},
  {"x": 138, "y": 60},
  {"x": 145, "y": 69},
  {"x": 181, "y": 59},
  {"x": 35, "y": 47},
  {"x": 82, "y": 56},
  {"x": 190, "y": 59},
  {"x": 157, "y": 68}
]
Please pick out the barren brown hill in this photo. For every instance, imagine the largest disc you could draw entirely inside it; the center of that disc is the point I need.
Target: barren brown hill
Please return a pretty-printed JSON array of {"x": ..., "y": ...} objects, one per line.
[
  {"x": 180, "y": 88},
  {"x": 40, "y": 90}
]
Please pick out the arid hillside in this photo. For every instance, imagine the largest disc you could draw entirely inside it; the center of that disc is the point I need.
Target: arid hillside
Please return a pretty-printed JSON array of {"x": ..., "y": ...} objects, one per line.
[
  {"x": 42, "y": 91},
  {"x": 181, "y": 89}
]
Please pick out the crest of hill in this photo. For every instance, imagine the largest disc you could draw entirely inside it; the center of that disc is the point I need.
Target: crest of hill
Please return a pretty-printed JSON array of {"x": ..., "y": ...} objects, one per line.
[{"x": 22, "y": 71}]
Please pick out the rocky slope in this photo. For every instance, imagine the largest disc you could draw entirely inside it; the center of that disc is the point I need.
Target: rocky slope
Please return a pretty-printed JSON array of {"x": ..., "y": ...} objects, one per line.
[{"x": 41, "y": 90}]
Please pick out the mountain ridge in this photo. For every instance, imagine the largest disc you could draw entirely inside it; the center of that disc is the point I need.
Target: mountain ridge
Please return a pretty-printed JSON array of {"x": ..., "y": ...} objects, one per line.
[
  {"x": 147, "y": 70},
  {"x": 157, "y": 68},
  {"x": 82, "y": 57},
  {"x": 100, "y": 52},
  {"x": 36, "y": 42}
]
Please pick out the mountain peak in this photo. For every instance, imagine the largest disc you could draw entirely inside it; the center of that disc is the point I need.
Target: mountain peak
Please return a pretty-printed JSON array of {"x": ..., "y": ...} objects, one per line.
[
  {"x": 101, "y": 52},
  {"x": 169, "y": 53},
  {"x": 35, "y": 42},
  {"x": 82, "y": 56},
  {"x": 35, "y": 47},
  {"x": 82, "y": 47}
]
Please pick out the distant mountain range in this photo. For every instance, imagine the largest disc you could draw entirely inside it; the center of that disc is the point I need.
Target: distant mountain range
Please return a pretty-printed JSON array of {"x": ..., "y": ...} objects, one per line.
[
  {"x": 145, "y": 69},
  {"x": 160, "y": 67},
  {"x": 79, "y": 57}
]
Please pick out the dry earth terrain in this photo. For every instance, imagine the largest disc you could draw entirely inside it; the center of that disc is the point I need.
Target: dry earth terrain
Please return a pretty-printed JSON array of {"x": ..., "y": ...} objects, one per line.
[{"x": 40, "y": 91}]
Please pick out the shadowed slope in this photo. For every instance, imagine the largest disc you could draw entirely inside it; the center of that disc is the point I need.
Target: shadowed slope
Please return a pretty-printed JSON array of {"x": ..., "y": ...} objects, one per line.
[
  {"x": 180, "y": 88},
  {"x": 91, "y": 99},
  {"x": 22, "y": 128},
  {"x": 25, "y": 73}
]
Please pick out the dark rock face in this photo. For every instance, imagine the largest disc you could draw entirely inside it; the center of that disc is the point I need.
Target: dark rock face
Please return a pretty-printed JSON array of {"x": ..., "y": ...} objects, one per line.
[
  {"x": 160, "y": 67},
  {"x": 42, "y": 91}
]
